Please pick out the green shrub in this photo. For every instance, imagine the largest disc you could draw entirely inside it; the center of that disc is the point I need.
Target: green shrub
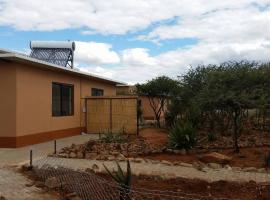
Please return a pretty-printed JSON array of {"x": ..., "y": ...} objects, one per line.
[
  {"x": 211, "y": 137},
  {"x": 110, "y": 137},
  {"x": 122, "y": 179},
  {"x": 182, "y": 136},
  {"x": 267, "y": 160}
]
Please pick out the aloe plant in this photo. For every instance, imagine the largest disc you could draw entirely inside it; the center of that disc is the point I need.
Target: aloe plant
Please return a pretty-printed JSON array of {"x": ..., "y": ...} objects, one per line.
[{"x": 123, "y": 180}]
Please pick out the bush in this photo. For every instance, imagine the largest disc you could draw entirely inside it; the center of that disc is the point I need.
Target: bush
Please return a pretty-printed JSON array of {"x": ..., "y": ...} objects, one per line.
[
  {"x": 211, "y": 137},
  {"x": 110, "y": 137},
  {"x": 267, "y": 160},
  {"x": 182, "y": 136}
]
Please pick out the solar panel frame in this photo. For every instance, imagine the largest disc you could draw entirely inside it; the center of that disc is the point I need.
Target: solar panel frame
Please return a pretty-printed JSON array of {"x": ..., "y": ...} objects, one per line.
[{"x": 58, "y": 56}]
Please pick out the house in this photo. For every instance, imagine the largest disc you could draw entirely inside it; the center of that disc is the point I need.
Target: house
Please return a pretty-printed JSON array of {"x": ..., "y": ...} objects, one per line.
[{"x": 42, "y": 101}]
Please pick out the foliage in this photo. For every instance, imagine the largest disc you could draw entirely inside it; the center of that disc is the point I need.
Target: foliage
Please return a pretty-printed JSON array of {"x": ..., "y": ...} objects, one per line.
[
  {"x": 211, "y": 136},
  {"x": 110, "y": 137},
  {"x": 182, "y": 136},
  {"x": 158, "y": 91},
  {"x": 267, "y": 160},
  {"x": 220, "y": 96},
  {"x": 123, "y": 180}
]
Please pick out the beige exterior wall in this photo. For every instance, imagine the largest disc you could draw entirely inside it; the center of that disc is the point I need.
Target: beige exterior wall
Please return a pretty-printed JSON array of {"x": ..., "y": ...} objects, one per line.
[
  {"x": 148, "y": 113},
  {"x": 26, "y": 104},
  {"x": 7, "y": 100}
]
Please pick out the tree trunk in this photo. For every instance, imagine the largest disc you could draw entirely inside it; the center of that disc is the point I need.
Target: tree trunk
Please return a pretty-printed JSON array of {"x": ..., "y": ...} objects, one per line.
[{"x": 236, "y": 130}]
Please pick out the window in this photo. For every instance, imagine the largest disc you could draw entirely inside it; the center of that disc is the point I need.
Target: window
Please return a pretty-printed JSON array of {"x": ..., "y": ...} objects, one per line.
[
  {"x": 97, "y": 92},
  {"x": 62, "y": 99}
]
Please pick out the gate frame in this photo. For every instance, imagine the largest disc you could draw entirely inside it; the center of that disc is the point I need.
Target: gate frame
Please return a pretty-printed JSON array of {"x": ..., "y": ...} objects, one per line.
[{"x": 110, "y": 98}]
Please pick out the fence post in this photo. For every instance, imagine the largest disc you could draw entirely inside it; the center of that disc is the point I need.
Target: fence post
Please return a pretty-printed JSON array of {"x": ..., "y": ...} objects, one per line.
[
  {"x": 55, "y": 147},
  {"x": 31, "y": 159}
]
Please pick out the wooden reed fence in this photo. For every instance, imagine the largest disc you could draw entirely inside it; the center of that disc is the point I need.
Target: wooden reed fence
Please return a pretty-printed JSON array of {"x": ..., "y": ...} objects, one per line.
[{"x": 115, "y": 114}]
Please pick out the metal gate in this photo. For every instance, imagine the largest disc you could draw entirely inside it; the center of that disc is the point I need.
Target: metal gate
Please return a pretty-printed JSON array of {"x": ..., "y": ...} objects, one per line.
[{"x": 115, "y": 114}]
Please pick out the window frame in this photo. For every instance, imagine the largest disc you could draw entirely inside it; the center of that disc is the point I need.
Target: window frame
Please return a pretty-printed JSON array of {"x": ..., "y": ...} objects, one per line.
[
  {"x": 61, "y": 102},
  {"x": 97, "y": 89}
]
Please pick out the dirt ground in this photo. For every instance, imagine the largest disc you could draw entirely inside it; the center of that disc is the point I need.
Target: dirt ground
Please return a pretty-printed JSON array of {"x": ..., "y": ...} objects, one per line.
[
  {"x": 219, "y": 189},
  {"x": 248, "y": 157},
  {"x": 154, "y": 187}
]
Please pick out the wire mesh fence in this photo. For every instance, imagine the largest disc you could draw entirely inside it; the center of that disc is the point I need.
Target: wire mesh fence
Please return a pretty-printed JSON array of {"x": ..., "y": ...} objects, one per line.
[{"x": 87, "y": 185}]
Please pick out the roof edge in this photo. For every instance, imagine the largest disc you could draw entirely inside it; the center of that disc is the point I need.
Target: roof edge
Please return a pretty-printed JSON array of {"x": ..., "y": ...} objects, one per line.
[{"x": 54, "y": 66}]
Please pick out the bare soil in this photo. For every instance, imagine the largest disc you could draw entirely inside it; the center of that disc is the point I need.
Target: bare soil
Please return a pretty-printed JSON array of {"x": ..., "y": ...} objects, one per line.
[
  {"x": 248, "y": 157},
  {"x": 154, "y": 187},
  {"x": 219, "y": 189}
]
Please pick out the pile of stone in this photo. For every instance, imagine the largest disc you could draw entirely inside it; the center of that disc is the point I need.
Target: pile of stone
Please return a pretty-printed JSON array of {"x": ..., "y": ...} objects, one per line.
[{"x": 99, "y": 150}]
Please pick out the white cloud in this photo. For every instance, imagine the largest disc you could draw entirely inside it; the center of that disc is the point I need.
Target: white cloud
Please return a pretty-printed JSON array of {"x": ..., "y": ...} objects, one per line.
[
  {"x": 233, "y": 25},
  {"x": 93, "y": 53},
  {"x": 107, "y": 17},
  {"x": 134, "y": 69},
  {"x": 225, "y": 30}
]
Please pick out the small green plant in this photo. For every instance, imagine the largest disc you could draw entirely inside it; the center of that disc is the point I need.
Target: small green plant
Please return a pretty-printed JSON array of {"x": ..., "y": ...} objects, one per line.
[
  {"x": 123, "y": 180},
  {"x": 211, "y": 137},
  {"x": 267, "y": 160},
  {"x": 182, "y": 136},
  {"x": 110, "y": 137}
]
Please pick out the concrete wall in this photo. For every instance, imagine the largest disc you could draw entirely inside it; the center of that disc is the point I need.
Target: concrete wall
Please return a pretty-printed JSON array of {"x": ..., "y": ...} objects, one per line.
[
  {"x": 7, "y": 100},
  {"x": 26, "y": 103}
]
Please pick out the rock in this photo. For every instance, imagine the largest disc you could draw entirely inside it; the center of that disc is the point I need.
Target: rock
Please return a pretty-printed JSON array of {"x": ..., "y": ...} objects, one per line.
[
  {"x": 27, "y": 167},
  {"x": 177, "y": 151},
  {"x": 114, "y": 153},
  {"x": 52, "y": 183},
  {"x": 39, "y": 184},
  {"x": 262, "y": 170},
  {"x": 198, "y": 165},
  {"x": 181, "y": 151},
  {"x": 72, "y": 155},
  {"x": 62, "y": 155},
  {"x": 111, "y": 158},
  {"x": 214, "y": 165},
  {"x": 90, "y": 155},
  {"x": 80, "y": 155},
  {"x": 228, "y": 167},
  {"x": 138, "y": 160},
  {"x": 70, "y": 196},
  {"x": 236, "y": 168},
  {"x": 95, "y": 167},
  {"x": 186, "y": 164},
  {"x": 169, "y": 150},
  {"x": 29, "y": 184},
  {"x": 250, "y": 169},
  {"x": 215, "y": 158},
  {"x": 165, "y": 162}
]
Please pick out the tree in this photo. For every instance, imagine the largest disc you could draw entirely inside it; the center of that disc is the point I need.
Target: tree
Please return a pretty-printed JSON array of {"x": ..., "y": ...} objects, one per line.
[
  {"x": 225, "y": 92},
  {"x": 158, "y": 91}
]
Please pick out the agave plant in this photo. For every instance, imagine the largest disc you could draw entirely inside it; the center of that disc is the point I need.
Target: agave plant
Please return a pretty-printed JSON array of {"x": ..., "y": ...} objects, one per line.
[
  {"x": 182, "y": 136},
  {"x": 123, "y": 180}
]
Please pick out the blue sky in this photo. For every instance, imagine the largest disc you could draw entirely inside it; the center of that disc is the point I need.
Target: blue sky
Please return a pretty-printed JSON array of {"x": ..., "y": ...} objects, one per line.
[{"x": 136, "y": 40}]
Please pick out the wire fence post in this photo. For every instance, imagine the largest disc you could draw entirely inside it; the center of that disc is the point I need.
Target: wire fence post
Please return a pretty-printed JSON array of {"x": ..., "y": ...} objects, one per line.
[
  {"x": 31, "y": 158},
  {"x": 55, "y": 149}
]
